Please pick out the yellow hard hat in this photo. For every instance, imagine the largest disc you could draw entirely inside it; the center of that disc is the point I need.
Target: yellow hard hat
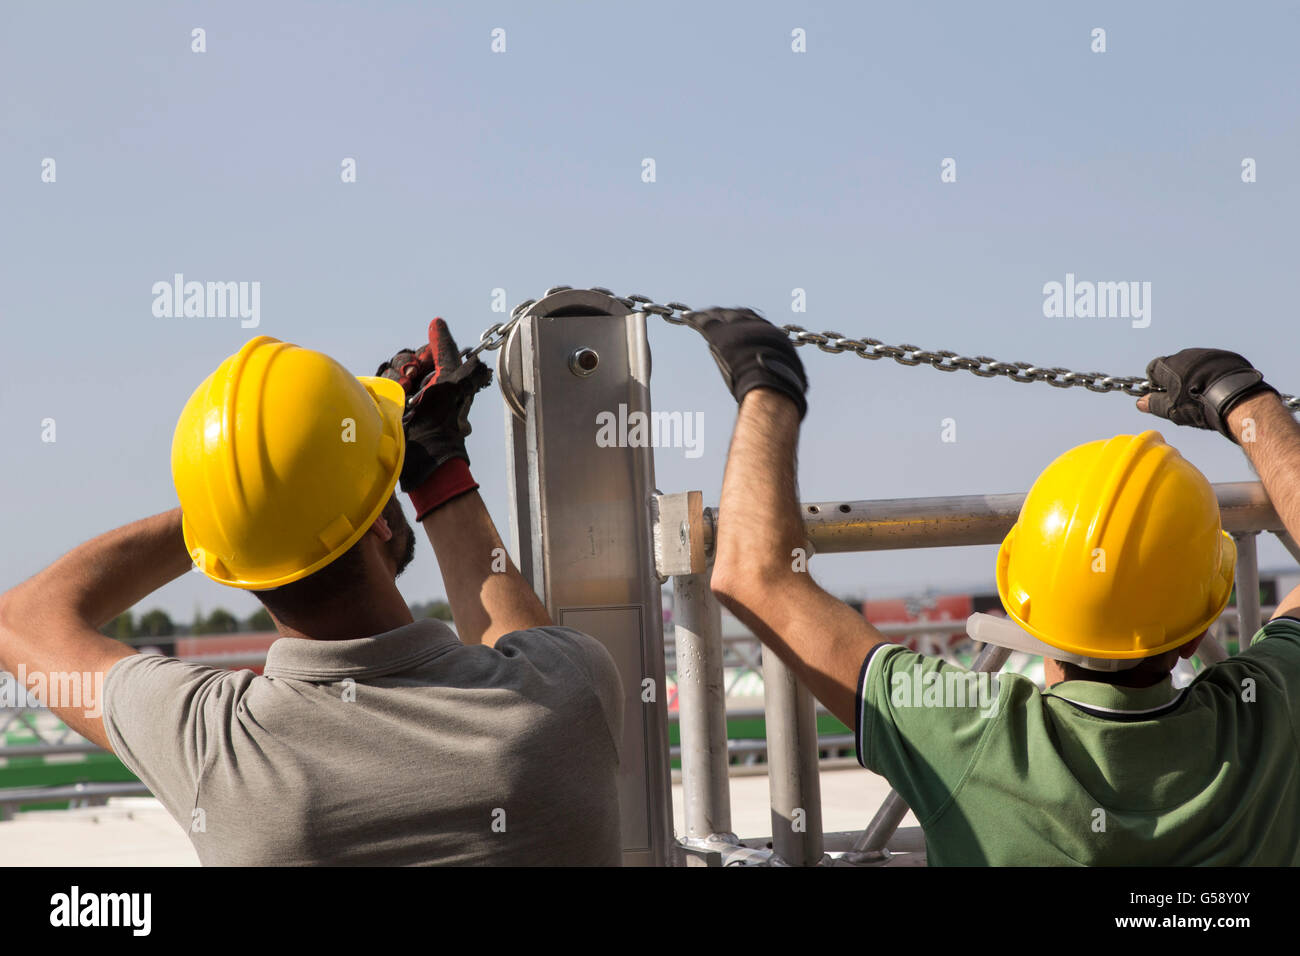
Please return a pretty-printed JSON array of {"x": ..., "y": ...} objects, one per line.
[
  {"x": 1118, "y": 552},
  {"x": 282, "y": 460}
]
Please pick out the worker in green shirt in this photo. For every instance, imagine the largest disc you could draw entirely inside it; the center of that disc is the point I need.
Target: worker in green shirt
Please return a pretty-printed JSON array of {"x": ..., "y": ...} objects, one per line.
[{"x": 1118, "y": 560}]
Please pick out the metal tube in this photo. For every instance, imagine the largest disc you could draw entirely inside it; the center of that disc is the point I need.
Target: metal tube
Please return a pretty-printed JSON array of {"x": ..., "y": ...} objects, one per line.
[
  {"x": 882, "y": 826},
  {"x": 1289, "y": 543},
  {"x": 839, "y": 526},
  {"x": 888, "y": 628},
  {"x": 49, "y": 750},
  {"x": 793, "y": 783},
  {"x": 744, "y": 747},
  {"x": 702, "y": 710},
  {"x": 1247, "y": 588},
  {"x": 77, "y": 791}
]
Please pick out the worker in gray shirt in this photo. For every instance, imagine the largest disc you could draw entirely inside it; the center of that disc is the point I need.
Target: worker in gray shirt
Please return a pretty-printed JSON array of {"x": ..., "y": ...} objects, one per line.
[{"x": 370, "y": 738}]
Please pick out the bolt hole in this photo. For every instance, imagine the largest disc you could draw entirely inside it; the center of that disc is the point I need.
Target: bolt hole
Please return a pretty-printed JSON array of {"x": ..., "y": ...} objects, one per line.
[
  {"x": 845, "y": 509},
  {"x": 583, "y": 361},
  {"x": 813, "y": 509}
]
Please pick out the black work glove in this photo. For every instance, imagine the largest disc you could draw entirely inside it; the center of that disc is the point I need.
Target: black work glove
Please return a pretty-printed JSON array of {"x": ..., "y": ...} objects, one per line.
[
  {"x": 440, "y": 389},
  {"x": 1201, "y": 386},
  {"x": 752, "y": 353}
]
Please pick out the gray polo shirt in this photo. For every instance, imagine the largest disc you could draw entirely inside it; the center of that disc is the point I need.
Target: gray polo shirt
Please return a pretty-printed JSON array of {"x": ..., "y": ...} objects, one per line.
[{"x": 404, "y": 748}]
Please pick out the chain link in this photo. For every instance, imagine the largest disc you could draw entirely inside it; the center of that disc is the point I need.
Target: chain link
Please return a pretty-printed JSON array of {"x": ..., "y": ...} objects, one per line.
[{"x": 872, "y": 349}]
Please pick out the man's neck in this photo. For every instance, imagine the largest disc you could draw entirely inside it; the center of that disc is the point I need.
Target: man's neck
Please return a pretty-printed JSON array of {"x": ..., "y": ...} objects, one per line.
[
  {"x": 1056, "y": 672},
  {"x": 350, "y": 616}
]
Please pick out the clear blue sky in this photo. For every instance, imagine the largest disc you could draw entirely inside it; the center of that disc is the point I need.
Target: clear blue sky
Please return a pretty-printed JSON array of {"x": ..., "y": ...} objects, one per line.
[{"x": 522, "y": 170}]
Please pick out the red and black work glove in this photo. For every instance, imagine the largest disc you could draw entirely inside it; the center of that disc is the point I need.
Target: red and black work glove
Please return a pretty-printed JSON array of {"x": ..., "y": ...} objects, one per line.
[
  {"x": 1201, "y": 386},
  {"x": 440, "y": 389},
  {"x": 752, "y": 353}
]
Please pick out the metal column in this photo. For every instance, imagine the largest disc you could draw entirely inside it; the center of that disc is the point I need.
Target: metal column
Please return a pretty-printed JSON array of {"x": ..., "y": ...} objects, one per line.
[
  {"x": 1247, "y": 588},
  {"x": 792, "y": 757},
  {"x": 580, "y": 518},
  {"x": 702, "y": 711}
]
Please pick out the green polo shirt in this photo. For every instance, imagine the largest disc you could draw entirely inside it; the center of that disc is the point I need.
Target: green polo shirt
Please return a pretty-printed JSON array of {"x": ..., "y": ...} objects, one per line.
[{"x": 1001, "y": 773}]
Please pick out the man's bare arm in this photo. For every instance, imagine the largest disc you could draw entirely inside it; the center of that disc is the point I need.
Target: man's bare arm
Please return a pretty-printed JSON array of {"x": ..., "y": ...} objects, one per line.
[
  {"x": 49, "y": 623},
  {"x": 1270, "y": 436},
  {"x": 1221, "y": 391},
  {"x": 487, "y": 594},
  {"x": 819, "y": 637}
]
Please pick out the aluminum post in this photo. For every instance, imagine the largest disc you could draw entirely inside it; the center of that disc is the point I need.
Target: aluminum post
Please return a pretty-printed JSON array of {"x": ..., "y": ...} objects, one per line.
[
  {"x": 792, "y": 757},
  {"x": 702, "y": 710},
  {"x": 576, "y": 363},
  {"x": 1247, "y": 588}
]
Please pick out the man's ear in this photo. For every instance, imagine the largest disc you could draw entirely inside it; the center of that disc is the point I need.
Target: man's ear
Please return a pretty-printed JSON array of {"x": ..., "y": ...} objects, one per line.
[
  {"x": 1188, "y": 649},
  {"x": 381, "y": 528}
]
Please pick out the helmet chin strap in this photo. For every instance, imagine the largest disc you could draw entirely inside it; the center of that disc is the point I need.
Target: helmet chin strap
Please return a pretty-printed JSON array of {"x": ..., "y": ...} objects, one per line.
[{"x": 988, "y": 629}]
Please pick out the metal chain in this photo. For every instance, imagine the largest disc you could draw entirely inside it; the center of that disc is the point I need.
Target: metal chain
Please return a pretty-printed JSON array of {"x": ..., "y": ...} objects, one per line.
[{"x": 835, "y": 343}]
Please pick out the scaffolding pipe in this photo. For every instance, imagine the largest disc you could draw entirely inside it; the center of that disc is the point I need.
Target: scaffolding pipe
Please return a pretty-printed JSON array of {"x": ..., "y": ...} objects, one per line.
[
  {"x": 702, "y": 710},
  {"x": 1247, "y": 588},
  {"x": 882, "y": 827},
  {"x": 792, "y": 756},
  {"x": 958, "y": 520},
  {"x": 1289, "y": 543},
  {"x": 49, "y": 750}
]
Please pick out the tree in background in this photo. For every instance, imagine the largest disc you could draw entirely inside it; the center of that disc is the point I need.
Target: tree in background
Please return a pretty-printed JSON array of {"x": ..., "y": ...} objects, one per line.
[
  {"x": 439, "y": 609},
  {"x": 260, "y": 620},
  {"x": 121, "y": 627},
  {"x": 156, "y": 623},
  {"x": 221, "y": 621}
]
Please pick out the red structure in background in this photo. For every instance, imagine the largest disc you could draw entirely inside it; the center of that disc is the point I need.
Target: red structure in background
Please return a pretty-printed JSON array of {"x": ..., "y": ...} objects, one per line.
[
  {"x": 946, "y": 607},
  {"x": 246, "y": 651}
]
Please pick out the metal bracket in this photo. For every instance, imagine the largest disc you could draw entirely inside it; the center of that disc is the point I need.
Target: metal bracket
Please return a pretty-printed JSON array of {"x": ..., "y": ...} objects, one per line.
[{"x": 679, "y": 534}]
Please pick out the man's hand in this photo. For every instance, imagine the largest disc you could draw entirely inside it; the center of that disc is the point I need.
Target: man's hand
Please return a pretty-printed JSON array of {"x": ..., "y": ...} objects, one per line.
[
  {"x": 752, "y": 353},
  {"x": 1201, "y": 386},
  {"x": 440, "y": 389}
]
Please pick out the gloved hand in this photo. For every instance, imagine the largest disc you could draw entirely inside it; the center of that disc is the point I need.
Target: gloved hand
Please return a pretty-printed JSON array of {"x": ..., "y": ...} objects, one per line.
[
  {"x": 752, "y": 353},
  {"x": 408, "y": 368},
  {"x": 1201, "y": 386},
  {"x": 440, "y": 389}
]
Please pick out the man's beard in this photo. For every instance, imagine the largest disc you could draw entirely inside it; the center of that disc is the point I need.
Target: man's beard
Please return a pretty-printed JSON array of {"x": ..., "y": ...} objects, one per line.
[{"x": 402, "y": 544}]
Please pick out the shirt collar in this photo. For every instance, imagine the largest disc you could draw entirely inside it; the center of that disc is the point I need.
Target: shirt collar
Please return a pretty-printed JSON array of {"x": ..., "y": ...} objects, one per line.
[
  {"x": 1116, "y": 700},
  {"x": 400, "y": 649}
]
